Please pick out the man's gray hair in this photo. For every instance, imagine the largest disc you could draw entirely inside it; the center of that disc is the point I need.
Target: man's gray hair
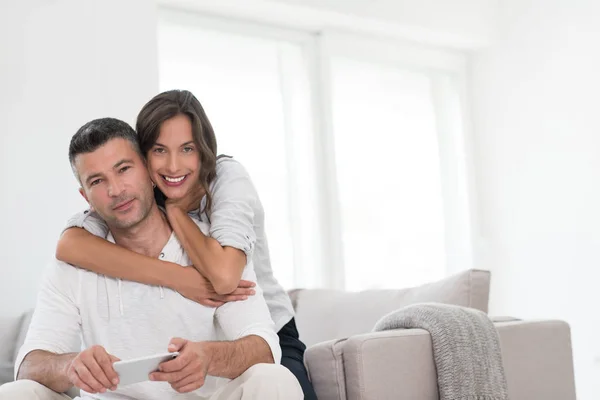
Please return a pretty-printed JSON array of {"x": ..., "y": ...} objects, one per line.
[{"x": 98, "y": 132}]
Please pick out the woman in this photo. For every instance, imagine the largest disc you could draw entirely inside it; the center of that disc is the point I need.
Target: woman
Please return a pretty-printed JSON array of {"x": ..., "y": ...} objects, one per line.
[{"x": 180, "y": 147}]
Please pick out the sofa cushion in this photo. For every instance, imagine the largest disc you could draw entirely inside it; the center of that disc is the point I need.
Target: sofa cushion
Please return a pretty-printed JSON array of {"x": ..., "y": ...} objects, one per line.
[{"x": 323, "y": 314}]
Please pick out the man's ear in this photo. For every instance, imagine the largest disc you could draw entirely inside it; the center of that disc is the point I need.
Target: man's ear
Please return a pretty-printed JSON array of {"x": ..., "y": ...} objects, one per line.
[{"x": 82, "y": 193}]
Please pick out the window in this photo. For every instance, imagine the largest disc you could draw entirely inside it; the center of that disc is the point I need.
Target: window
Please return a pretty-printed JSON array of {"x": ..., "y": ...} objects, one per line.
[
  {"x": 388, "y": 174},
  {"x": 351, "y": 146}
]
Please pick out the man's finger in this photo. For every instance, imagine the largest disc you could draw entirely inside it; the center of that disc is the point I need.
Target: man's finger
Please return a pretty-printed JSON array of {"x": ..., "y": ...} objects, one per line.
[
  {"x": 246, "y": 284},
  {"x": 176, "y": 344},
  {"x": 106, "y": 364},
  {"x": 86, "y": 376},
  {"x": 113, "y": 359},
  {"x": 98, "y": 373},
  {"x": 191, "y": 387},
  {"x": 177, "y": 364},
  {"x": 188, "y": 380},
  {"x": 77, "y": 382},
  {"x": 170, "y": 377},
  {"x": 74, "y": 379},
  {"x": 92, "y": 363}
]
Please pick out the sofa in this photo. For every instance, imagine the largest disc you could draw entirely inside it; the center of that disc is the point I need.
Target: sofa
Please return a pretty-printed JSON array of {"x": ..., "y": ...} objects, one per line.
[{"x": 346, "y": 361}]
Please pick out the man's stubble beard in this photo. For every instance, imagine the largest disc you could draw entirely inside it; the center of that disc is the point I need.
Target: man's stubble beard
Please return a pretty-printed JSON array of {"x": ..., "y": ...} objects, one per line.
[{"x": 145, "y": 207}]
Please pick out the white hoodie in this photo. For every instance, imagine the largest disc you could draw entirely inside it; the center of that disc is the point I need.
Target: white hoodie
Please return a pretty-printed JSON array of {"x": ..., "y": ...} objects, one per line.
[{"x": 77, "y": 309}]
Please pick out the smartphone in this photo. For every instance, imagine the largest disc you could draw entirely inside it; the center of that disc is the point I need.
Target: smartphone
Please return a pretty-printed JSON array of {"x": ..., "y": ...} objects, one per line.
[{"x": 137, "y": 369}]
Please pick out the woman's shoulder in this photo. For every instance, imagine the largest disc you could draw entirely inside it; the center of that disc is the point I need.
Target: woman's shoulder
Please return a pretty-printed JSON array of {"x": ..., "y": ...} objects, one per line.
[
  {"x": 232, "y": 180},
  {"x": 228, "y": 167}
]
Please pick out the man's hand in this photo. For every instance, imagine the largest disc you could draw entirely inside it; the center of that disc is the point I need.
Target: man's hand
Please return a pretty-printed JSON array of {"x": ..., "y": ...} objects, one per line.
[
  {"x": 190, "y": 202},
  {"x": 92, "y": 370},
  {"x": 197, "y": 288},
  {"x": 188, "y": 371}
]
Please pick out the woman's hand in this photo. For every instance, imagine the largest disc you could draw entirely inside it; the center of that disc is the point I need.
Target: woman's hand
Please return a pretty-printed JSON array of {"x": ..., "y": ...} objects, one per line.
[
  {"x": 188, "y": 371},
  {"x": 194, "y": 286},
  {"x": 190, "y": 202}
]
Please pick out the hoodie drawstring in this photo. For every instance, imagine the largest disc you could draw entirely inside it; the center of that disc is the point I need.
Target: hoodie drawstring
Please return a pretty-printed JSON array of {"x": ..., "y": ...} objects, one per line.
[
  {"x": 162, "y": 292},
  {"x": 107, "y": 315},
  {"x": 120, "y": 297}
]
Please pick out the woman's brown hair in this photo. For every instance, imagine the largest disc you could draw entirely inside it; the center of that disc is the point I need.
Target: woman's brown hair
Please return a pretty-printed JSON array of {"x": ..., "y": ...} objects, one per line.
[{"x": 167, "y": 105}]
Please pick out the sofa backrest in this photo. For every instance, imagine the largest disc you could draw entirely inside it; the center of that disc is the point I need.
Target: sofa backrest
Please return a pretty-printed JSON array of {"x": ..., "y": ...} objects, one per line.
[
  {"x": 323, "y": 314},
  {"x": 10, "y": 338}
]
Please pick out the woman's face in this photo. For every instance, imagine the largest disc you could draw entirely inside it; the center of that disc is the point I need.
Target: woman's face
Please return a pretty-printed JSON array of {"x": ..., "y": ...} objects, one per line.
[{"x": 174, "y": 161}]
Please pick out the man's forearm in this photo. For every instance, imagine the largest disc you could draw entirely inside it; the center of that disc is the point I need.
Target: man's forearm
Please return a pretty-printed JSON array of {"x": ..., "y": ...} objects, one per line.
[
  {"x": 231, "y": 359},
  {"x": 48, "y": 369}
]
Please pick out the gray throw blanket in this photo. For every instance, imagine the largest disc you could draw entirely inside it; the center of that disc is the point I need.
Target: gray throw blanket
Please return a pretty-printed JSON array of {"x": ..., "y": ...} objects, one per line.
[{"x": 466, "y": 349}]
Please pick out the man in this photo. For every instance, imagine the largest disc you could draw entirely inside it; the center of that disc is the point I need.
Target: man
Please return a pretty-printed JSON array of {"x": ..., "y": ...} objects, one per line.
[{"x": 123, "y": 320}]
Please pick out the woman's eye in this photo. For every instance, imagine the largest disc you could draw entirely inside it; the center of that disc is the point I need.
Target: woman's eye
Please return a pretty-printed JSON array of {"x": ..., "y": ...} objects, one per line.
[
  {"x": 159, "y": 150},
  {"x": 188, "y": 149}
]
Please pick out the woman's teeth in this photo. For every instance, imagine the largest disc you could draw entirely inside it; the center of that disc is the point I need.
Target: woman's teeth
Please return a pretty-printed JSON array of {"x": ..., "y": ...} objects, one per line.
[{"x": 174, "y": 180}]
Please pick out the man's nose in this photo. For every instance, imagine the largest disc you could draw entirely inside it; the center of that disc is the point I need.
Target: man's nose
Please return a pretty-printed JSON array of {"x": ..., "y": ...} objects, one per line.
[{"x": 115, "y": 188}]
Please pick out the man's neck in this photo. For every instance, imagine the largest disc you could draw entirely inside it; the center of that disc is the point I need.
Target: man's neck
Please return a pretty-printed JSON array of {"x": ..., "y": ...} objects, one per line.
[{"x": 147, "y": 237}]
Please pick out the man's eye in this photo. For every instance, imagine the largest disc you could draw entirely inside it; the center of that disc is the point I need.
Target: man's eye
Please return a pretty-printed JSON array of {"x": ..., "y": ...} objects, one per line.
[
  {"x": 95, "y": 182},
  {"x": 124, "y": 169}
]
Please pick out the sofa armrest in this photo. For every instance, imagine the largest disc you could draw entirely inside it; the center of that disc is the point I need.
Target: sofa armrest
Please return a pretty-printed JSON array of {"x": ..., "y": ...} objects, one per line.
[
  {"x": 326, "y": 369},
  {"x": 365, "y": 366},
  {"x": 398, "y": 364},
  {"x": 538, "y": 359}
]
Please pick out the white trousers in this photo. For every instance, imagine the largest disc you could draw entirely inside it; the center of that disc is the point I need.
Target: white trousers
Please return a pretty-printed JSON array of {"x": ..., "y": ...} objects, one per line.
[{"x": 261, "y": 381}]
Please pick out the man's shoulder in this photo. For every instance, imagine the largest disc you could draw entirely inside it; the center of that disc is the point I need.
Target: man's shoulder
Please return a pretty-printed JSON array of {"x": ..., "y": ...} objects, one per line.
[
  {"x": 56, "y": 267},
  {"x": 61, "y": 276}
]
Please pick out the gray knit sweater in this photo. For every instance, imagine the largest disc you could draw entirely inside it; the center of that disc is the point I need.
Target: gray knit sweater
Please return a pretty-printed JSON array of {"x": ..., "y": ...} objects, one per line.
[{"x": 466, "y": 349}]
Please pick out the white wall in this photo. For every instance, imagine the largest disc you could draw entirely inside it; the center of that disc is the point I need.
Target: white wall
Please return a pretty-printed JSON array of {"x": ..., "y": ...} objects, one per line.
[
  {"x": 537, "y": 144},
  {"x": 461, "y": 24},
  {"x": 62, "y": 63},
  {"x": 472, "y": 20}
]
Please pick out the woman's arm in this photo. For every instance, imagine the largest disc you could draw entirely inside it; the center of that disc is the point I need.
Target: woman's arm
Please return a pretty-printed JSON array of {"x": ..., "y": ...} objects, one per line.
[
  {"x": 221, "y": 265},
  {"x": 222, "y": 254},
  {"x": 81, "y": 248}
]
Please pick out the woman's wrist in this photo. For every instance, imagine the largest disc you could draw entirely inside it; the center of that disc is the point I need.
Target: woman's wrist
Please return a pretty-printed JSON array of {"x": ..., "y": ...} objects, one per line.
[
  {"x": 166, "y": 273},
  {"x": 172, "y": 208}
]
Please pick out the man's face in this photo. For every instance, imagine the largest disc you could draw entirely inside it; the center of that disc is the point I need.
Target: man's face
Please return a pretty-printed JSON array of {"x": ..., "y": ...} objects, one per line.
[{"x": 116, "y": 184}]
